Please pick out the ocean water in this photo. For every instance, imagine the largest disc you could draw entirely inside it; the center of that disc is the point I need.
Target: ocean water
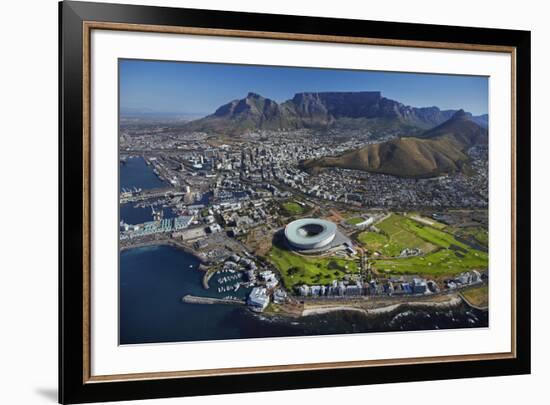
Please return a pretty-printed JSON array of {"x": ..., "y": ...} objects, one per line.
[
  {"x": 135, "y": 173},
  {"x": 154, "y": 279}
]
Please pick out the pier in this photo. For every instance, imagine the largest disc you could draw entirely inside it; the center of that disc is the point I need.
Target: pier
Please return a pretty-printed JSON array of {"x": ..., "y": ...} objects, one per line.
[{"x": 193, "y": 299}]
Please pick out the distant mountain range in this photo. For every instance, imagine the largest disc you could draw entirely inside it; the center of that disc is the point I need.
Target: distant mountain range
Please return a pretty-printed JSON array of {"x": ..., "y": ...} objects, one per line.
[
  {"x": 365, "y": 110},
  {"x": 128, "y": 113},
  {"x": 439, "y": 150}
]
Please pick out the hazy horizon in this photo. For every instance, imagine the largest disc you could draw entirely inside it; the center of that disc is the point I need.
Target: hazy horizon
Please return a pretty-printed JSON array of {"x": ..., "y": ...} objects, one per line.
[{"x": 197, "y": 89}]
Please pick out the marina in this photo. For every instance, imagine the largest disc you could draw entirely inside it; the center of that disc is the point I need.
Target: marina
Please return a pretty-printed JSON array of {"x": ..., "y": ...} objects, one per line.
[{"x": 152, "y": 308}]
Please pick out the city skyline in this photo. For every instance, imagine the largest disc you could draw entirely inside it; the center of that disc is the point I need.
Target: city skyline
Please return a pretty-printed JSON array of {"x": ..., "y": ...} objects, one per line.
[{"x": 200, "y": 88}]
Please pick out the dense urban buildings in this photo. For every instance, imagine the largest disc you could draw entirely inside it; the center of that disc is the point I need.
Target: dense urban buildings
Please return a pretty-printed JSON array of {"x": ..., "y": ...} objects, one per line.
[{"x": 228, "y": 196}]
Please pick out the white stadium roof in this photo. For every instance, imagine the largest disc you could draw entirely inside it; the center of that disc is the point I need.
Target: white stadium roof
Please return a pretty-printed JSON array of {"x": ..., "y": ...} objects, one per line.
[{"x": 310, "y": 233}]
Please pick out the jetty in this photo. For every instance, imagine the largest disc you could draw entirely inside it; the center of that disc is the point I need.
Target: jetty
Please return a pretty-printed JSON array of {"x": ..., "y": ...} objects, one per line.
[{"x": 193, "y": 299}]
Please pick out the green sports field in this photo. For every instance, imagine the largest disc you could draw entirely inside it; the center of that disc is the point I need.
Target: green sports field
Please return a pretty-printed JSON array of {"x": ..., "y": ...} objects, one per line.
[
  {"x": 296, "y": 269},
  {"x": 355, "y": 220},
  {"x": 292, "y": 208}
]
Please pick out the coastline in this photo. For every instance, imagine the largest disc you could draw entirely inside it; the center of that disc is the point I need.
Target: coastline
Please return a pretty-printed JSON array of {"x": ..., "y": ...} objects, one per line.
[
  {"x": 171, "y": 242},
  {"x": 165, "y": 242},
  {"x": 479, "y": 308},
  {"x": 364, "y": 307}
]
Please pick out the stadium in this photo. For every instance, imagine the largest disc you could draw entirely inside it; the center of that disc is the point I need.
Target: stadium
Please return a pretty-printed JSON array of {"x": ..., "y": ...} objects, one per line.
[{"x": 310, "y": 234}]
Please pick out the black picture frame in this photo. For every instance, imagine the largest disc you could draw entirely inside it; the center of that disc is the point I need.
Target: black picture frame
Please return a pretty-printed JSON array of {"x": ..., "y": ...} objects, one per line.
[{"x": 73, "y": 387}]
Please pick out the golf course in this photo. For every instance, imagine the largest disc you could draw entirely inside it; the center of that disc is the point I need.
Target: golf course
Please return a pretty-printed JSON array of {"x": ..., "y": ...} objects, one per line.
[{"x": 442, "y": 253}]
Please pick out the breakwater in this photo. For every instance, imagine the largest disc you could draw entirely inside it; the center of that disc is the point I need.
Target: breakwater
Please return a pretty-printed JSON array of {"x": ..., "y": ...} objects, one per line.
[{"x": 193, "y": 299}]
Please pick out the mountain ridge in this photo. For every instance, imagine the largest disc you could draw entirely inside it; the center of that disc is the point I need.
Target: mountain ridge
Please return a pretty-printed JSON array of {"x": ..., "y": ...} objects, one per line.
[
  {"x": 356, "y": 110},
  {"x": 439, "y": 150}
]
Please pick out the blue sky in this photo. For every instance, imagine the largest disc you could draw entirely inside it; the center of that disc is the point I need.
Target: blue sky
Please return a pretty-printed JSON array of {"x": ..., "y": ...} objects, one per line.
[{"x": 200, "y": 88}]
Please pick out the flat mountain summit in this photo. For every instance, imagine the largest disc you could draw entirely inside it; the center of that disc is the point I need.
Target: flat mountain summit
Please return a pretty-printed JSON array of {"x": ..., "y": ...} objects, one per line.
[{"x": 352, "y": 110}]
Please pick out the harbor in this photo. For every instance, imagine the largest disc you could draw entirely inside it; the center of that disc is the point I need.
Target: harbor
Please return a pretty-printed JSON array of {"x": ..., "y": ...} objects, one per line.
[{"x": 153, "y": 308}]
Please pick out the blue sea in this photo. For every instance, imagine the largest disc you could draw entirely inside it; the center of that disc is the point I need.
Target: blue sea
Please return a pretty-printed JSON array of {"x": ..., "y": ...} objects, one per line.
[{"x": 134, "y": 172}]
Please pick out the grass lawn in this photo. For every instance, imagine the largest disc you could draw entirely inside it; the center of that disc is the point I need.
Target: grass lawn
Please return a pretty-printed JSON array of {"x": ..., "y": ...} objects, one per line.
[
  {"x": 372, "y": 240},
  {"x": 296, "y": 270},
  {"x": 444, "y": 262},
  {"x": 478, "y": 234},
  {"x": 478, "y": 296},
  {"x": 355, "y": 220},
  {"x": 402, "y": 234},
  {"x": 444, "y": 254},
  {"x": 379, "y": 242},
  {"x": 482, "y": 236},
  {"x": 428, "y": 221},
  {"x": 411, "y": 234},
  {"x": 433, "y": 236},
  {"x": 292, "y": 208}
]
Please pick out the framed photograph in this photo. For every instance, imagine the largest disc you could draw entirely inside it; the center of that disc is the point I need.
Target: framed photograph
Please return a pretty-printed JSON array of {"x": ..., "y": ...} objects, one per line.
[{"x": 255, "y": 202}]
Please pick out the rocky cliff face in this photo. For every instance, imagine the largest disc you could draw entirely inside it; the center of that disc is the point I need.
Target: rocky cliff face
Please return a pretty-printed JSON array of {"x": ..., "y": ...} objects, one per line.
[
  {"x": 462, "y": 128},
  {"x": 253, "y": 112},
  {"x": 318, "y": 110},
  {"x": 337, "y": 104}
]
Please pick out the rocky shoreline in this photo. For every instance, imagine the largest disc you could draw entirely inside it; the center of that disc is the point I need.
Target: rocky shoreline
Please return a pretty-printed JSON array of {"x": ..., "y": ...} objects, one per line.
[
  {"x": 364, "y": 308},
  {"x": 164, "y": 242},
  {"x": 367, "y": 307}
]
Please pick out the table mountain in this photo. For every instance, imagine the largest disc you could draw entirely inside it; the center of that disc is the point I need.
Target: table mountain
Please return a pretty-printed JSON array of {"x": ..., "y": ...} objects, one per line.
[{"x": 366, "y": 110}]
